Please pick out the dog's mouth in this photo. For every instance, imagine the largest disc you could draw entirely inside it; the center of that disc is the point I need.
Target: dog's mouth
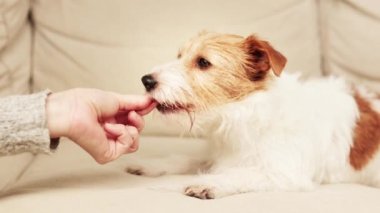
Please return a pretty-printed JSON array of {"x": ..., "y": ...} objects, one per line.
[
  {"x": 177, "y": 107},
  {"x": 173, "y": 107}
]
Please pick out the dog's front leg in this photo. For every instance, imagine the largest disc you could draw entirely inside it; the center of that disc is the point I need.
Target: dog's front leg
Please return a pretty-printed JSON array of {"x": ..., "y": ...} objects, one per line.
[
  {"x": 242, "y": 180},
  {"x": 174, "y": 164}
]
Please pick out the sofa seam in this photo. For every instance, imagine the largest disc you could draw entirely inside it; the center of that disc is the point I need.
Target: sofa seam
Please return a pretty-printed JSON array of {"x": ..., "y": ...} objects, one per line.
[{"x": 322, "y": 33}]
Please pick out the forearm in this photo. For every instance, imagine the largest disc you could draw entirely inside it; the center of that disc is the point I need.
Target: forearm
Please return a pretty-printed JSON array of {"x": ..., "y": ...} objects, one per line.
[{"x": 23, "y": 124}]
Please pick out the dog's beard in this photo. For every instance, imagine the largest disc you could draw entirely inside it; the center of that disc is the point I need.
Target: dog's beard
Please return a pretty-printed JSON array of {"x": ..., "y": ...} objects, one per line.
[{"x": 176, "y": 111}]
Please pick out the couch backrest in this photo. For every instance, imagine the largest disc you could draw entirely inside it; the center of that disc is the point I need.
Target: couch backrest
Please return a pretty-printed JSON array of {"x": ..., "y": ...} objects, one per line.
[
  {"x": 15, "y": 47},
  {"x": 351, "y": 40},
  {"x": 15, "y": 72}
]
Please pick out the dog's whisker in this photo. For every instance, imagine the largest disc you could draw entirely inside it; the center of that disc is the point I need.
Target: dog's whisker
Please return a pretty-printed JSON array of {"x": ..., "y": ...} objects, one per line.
[{"x": 191, "y": 115}]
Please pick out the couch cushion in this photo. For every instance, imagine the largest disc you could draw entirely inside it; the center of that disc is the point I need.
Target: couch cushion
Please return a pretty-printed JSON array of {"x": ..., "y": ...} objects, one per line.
[
  {"x": 70, "y": 181},
  {"x": 351, "y": 47},
  {"x": 110, "y": 45},
  {"x": 12, "y": 168}
]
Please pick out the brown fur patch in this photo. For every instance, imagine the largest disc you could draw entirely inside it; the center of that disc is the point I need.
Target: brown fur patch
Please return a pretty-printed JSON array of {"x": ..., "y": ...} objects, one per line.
[
  {"x": 239, "y": 66},
  {"x": 263, "y": 56},
  {"x": 367, "y": 135}
]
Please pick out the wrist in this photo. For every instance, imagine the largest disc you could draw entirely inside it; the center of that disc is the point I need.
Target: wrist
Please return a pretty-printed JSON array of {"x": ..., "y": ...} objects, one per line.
[{"x": 57, "y": 115}]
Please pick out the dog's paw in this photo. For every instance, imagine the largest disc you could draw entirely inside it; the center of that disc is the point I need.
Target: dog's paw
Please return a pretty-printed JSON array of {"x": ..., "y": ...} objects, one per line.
[
  {"x": 141, "y": 171},
  {"x": 200, "y": 191},
  {"x": 135, "y": 171}
]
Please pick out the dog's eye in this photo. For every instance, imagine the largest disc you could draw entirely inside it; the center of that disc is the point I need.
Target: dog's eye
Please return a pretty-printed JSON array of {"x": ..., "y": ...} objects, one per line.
[{"x": 203, "y": 63}]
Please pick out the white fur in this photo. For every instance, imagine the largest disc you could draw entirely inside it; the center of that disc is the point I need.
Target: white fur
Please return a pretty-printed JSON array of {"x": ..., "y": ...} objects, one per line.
[
  {"x": 291, "y": 136},
  {"x": 173, "y": 86}
]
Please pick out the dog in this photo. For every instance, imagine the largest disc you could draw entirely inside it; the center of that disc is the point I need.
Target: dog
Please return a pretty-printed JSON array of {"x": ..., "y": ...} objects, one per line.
[{"x": 267, "y": 130}]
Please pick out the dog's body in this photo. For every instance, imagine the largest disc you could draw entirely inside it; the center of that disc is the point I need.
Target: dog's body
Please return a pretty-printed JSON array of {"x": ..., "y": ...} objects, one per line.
[{"x": 279, "y": 134}]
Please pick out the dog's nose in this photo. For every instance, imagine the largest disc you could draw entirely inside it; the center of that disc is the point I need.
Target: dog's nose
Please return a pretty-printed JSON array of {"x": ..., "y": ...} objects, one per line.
[{"x": 149, "y": 82}]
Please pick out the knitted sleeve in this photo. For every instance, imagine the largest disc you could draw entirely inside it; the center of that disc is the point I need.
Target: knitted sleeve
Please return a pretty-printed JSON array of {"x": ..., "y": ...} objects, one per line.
[{"x": 23, "y": 124}]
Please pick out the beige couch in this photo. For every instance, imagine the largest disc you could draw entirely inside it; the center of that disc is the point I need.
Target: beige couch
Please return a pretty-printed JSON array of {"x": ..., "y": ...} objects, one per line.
[{"x": 111, "y": 44}]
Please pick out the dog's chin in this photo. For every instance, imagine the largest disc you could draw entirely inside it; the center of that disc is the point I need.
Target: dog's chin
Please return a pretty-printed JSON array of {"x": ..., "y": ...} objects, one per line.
[{"x": 172, "y": 108}]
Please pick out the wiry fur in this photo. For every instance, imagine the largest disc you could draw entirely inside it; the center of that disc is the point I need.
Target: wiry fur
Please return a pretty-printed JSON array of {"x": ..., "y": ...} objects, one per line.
[{"x": 266, "y": 133}]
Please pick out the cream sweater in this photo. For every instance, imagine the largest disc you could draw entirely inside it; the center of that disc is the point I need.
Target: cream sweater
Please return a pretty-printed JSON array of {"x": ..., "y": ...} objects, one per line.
[{"x": 23, "y": 124}]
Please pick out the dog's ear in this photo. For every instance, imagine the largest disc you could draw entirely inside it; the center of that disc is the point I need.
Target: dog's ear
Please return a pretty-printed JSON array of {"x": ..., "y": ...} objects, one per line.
[{"x": 263, "y": 57}]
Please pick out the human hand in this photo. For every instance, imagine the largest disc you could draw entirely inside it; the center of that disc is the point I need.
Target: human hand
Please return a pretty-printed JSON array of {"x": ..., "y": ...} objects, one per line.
[{"x": 104, "y": 124}]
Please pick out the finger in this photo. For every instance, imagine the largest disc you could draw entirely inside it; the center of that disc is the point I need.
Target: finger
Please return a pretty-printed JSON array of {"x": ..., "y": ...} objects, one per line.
[
  {"x": 133, "y": 102},
  {"x": 133, "y": 132},
  {"x": 126, "y": 137},
  {"x": 115, "y": 129},
  {"x": 133, "y": 148},
  {"x": 136, "y": 120},
  {"x": 121, "y": 133},
  {"x": 147, "y": 109}
]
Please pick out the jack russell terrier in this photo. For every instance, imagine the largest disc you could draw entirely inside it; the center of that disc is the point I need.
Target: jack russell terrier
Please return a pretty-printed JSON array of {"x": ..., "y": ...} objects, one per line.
[{"x": 267, "y": 130}]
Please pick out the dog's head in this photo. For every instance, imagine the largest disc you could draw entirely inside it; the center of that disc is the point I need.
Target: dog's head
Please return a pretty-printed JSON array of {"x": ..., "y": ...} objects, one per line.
[{"x": 213, "y": 69}]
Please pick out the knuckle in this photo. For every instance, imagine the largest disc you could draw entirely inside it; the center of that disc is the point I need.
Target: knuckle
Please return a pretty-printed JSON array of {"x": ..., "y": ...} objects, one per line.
[{"x": 133, "y": 131}]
